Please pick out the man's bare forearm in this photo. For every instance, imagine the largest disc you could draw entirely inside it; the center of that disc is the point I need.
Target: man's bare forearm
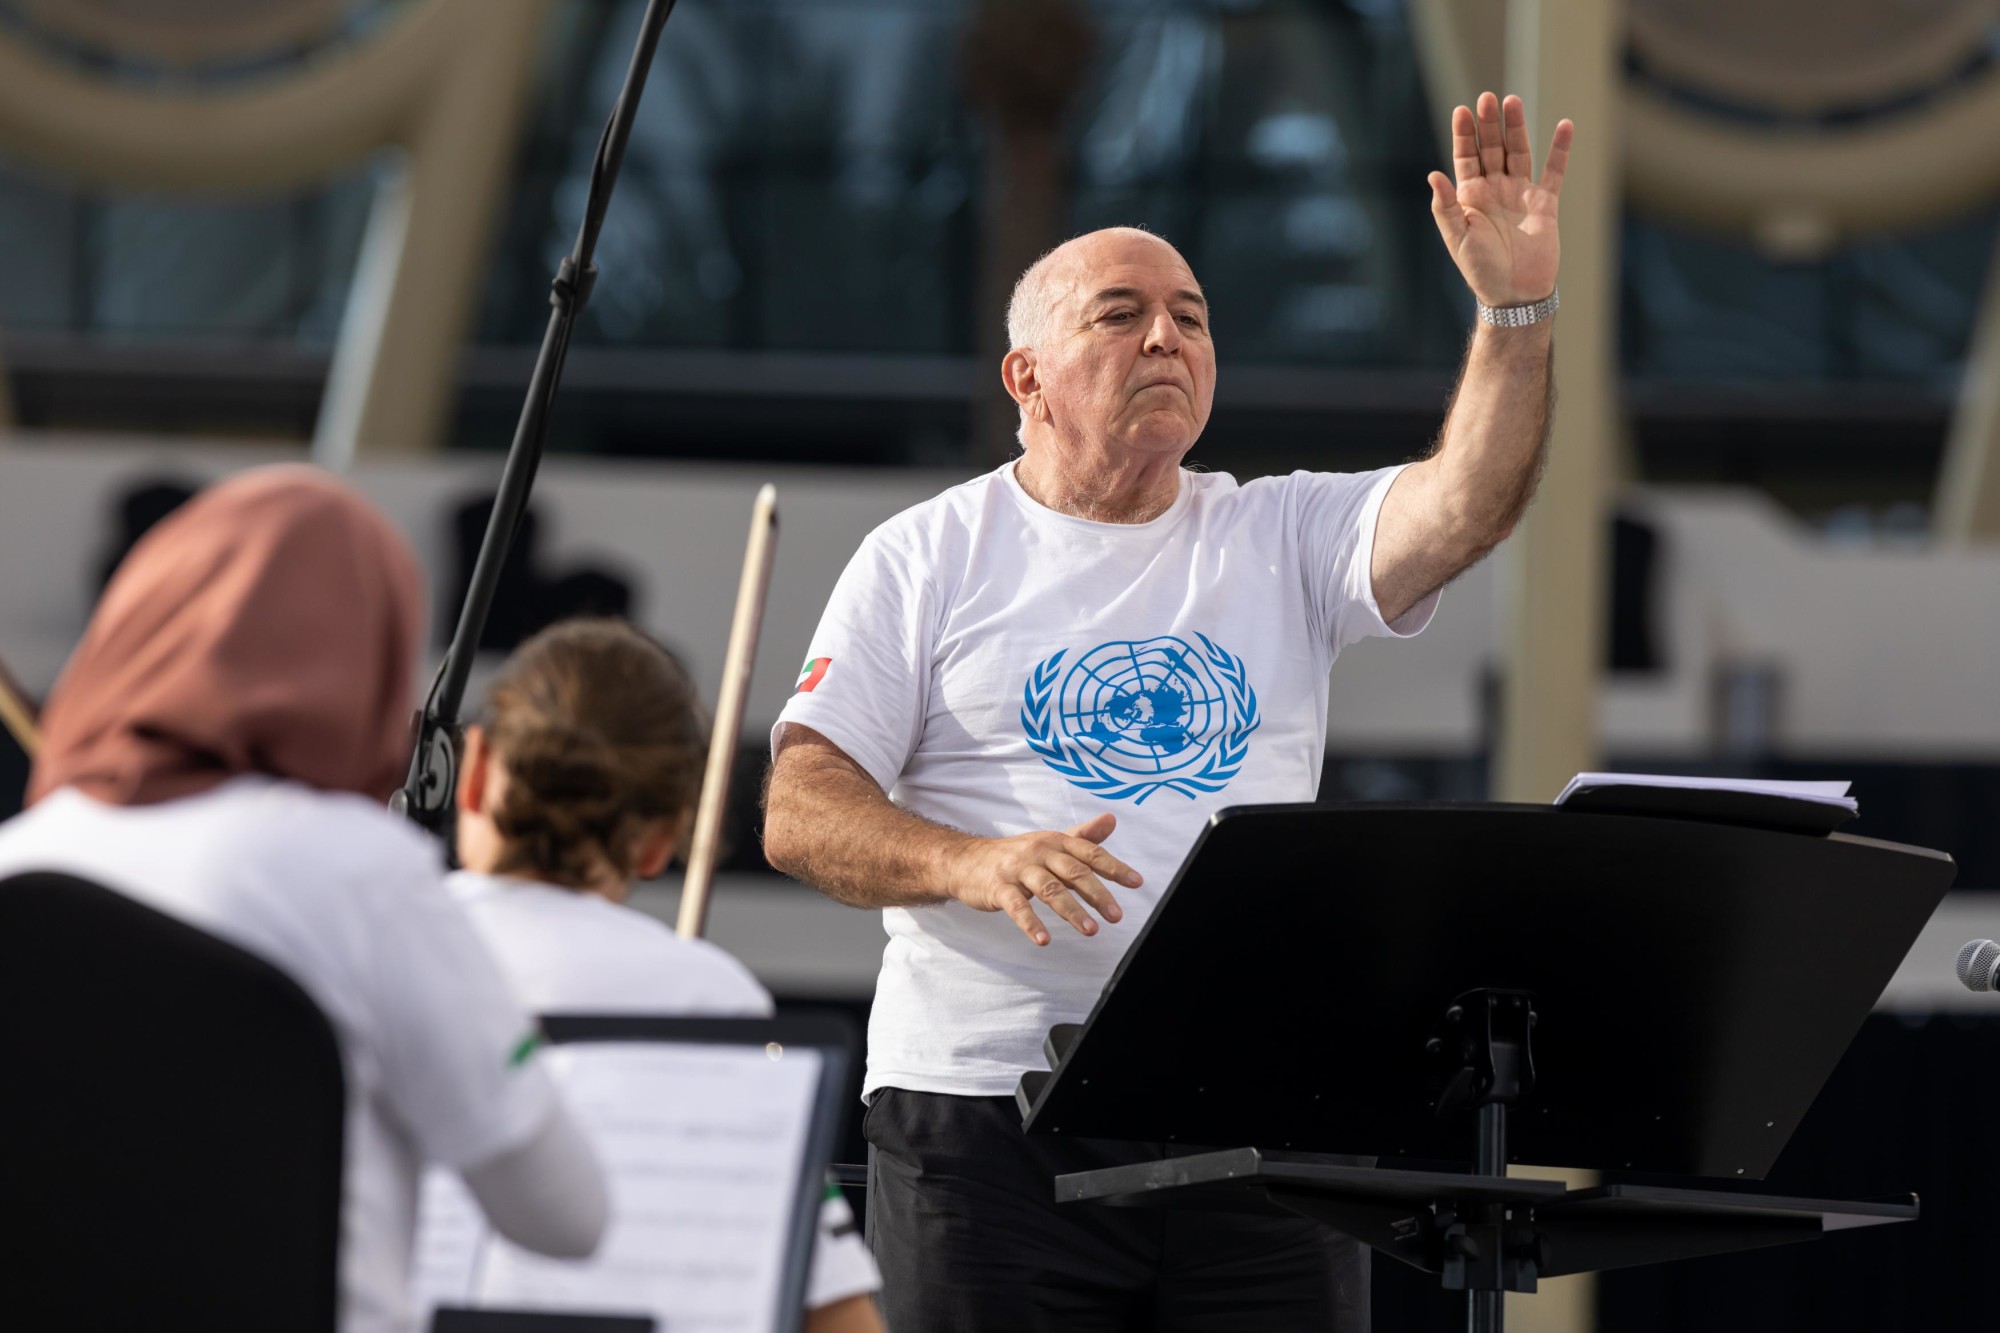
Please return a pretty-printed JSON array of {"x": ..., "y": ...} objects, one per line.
[
  {"x": 1494, "y": 445},
  {"x": 828, "y": 824},
  {"x": 1445, "y": 513}
]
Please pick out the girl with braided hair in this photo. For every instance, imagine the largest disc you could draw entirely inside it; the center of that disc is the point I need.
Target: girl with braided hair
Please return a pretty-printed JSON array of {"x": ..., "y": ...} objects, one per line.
[{"x": 580, "y": 778}]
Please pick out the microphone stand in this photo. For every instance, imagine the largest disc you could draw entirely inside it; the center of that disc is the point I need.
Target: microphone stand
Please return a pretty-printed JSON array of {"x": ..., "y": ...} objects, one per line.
[{"x": 426, "y": 795}]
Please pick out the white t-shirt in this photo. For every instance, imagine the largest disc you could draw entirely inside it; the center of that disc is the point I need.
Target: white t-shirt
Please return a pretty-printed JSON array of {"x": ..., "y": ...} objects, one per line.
[
  {"x": 346, "y": 899},
  {"x": 570, "y": 952},
  {"x": 999, "y": 667}
]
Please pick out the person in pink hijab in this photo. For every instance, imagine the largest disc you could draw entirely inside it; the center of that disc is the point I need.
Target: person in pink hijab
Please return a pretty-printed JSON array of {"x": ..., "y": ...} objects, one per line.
[
  {"x": 219, "y": 748},
  {"x": 269, "y": 626}
]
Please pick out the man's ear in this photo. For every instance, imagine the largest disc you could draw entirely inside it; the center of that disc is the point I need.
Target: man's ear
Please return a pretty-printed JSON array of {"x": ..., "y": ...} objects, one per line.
[
  {"x": 472, "y": 771},
  {"x": 1018, "y": 374}
]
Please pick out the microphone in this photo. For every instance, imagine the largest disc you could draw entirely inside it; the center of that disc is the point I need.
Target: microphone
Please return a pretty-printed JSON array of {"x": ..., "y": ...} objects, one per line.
[{"x": 1979, "y": 965}]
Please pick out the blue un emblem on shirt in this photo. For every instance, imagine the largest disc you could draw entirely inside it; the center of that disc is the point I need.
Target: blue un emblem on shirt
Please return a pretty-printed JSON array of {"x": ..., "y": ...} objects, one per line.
[{"x": 1127, "y": 719}]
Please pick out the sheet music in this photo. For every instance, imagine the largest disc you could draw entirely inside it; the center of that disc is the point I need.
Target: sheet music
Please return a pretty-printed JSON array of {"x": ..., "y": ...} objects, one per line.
[
  {"x": 1819, "y": 793},
  {"x": 703, "y": 1145}
]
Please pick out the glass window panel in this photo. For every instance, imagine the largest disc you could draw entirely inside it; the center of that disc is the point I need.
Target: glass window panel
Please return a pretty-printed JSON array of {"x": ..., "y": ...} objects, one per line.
[
  {"x": 143, "y": 267},
  {"x": 39, "y": 261},
  {"x": 806, "y": 175},
  {"x": 1884, "y": 309},
  {"x": 812, "y": 174}
]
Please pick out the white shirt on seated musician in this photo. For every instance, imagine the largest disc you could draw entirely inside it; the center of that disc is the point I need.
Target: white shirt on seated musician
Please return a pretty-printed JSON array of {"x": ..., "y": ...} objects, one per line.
[
  {"x": 1028, "y": 694},
  {"x": 580, "y": 778}
]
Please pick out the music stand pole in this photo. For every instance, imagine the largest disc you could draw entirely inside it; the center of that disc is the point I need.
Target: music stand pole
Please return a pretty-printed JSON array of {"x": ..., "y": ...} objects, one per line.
[
  {"x": 1486, "y": 1311},
  {"x": 426, "y": 795}
]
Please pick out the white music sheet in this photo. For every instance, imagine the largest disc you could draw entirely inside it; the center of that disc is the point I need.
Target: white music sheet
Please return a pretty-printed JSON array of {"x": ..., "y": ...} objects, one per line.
[
  {"x": 1818, "y": 793},
  {"x": 702, "y": 1144}
]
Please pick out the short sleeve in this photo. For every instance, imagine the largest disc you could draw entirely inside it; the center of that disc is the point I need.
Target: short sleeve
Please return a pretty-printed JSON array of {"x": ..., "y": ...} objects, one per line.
[
  {"x": 1337, "y": 513},
  {"x": 865, "y": 682},
  {"x": 459, "y": 1065},
  {"x": 841, "y": 1264}
]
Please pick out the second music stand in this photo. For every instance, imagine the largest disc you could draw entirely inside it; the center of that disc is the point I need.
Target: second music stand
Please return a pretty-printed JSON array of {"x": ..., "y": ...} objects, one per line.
[{"x": 1491, "y": 984}]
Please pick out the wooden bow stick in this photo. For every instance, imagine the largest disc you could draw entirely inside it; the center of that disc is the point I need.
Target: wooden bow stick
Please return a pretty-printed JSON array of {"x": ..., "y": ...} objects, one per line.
[
  {"x": 18, "y": 714},
  {"x": 736, "y": 664}
]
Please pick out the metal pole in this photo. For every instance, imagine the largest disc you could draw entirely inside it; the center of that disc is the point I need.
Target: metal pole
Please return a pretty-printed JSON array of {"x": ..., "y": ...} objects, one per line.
[
  {"x": 1492, "y": 1154},
  {"x": 426, "y": 796},
  {"x": 1486, "y": 1310}
]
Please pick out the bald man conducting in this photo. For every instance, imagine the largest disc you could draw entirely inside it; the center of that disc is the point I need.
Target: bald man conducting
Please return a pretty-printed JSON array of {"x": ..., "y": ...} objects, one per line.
[{"x": 1029, "y": 694}]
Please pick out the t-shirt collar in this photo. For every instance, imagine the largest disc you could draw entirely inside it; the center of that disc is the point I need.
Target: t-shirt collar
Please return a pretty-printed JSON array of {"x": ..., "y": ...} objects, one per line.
[{"x": 1039, "y": 512}]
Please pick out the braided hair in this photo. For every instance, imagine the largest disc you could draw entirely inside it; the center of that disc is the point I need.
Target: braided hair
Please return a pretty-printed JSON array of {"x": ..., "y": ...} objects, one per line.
[{"x": 601, "y": 733}]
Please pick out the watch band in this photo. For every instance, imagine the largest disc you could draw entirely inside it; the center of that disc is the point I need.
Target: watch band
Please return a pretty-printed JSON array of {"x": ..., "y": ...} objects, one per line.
[{"x": 1520, "y": 316}]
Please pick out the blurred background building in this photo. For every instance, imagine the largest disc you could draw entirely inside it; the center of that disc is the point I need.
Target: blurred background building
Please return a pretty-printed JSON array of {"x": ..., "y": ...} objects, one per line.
[{"x": 240, "y": 229}]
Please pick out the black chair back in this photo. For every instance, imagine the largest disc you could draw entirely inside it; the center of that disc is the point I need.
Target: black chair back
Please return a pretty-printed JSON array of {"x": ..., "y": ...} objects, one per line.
[{"x": 171, "y": 1115}]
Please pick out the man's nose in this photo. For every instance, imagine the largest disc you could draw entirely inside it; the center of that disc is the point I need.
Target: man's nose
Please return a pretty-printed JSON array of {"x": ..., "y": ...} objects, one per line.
[{"x": 1163, "y": 336}]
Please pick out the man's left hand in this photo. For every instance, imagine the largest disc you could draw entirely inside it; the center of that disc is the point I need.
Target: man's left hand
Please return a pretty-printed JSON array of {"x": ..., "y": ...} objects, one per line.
[{"x": 1499, "y": 222}]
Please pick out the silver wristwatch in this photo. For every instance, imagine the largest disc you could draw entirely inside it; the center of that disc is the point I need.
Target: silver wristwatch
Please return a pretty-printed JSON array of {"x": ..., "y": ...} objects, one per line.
[{"x": 1520, "y": 316}]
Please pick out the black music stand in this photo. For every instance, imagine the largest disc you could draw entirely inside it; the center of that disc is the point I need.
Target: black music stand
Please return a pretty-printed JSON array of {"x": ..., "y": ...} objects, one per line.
[{"x": 1365, "y": 980}]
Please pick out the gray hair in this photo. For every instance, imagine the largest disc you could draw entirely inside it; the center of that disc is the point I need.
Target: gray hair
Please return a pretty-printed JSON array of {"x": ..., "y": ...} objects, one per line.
[{"x": 1028, "y": 314}]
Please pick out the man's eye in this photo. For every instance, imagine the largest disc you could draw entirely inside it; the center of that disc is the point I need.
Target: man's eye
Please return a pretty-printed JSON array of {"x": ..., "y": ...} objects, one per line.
[
  {"x": 1120, "y": 316},
  {"x": 1192, "y": 321}
]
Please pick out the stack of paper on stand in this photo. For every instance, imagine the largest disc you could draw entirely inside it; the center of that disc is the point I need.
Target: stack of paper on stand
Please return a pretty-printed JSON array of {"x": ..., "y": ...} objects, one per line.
[
  {"x": 704, "y": 1147},
  {"x": 1795, "y": 807}
]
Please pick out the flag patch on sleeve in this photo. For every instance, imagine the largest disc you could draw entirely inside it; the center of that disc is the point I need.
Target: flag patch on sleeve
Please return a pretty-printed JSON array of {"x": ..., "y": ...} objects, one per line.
[{"x": 812, "y": 673}]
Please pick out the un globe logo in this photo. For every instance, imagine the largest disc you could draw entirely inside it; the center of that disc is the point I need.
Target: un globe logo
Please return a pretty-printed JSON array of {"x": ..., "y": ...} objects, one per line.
[
  {"x": 1130, "y": 718},
  {"x": 1147, "y": 707}
]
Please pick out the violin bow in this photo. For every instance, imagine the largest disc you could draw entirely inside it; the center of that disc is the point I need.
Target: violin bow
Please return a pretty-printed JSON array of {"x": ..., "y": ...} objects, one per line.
[
  {"x": 751, "y": 591},
  {"x": 17, "y": 714}
]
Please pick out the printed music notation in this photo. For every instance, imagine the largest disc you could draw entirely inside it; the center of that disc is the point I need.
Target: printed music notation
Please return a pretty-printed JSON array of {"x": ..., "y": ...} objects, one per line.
[{"x": 703, "y": 1146}]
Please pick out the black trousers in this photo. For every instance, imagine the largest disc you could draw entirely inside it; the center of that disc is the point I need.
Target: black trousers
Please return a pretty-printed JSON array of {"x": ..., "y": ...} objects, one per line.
[{"x": 964, "y": 1224}]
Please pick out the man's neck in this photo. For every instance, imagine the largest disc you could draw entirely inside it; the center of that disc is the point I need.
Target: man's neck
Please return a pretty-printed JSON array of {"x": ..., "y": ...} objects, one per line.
[{"x": 1138, "y": 494}]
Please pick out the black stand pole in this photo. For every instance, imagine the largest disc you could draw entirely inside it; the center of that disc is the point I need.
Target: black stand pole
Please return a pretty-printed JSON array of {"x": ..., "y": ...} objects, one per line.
[
  {"x": 1486, "y": 1052},
  {"x": 1486, "y": 1310},
  {"x": 426, "y": 796}
]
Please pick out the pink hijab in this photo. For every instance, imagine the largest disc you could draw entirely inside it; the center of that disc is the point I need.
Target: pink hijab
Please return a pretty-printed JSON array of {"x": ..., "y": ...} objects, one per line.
[{"x": 267, "y": 626}]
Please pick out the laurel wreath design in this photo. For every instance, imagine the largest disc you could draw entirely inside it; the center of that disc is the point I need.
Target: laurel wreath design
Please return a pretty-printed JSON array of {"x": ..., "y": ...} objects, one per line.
[{"x": 1070, "y": 760}]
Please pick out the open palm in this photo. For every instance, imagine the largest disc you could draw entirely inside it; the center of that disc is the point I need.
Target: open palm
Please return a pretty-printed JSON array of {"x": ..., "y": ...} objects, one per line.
[{"x": 1497, "y": 220}]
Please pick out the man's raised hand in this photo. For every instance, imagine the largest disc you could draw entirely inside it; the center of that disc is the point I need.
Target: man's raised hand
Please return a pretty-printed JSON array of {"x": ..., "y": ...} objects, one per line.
[
  {"x": 1497, "y": 220},
  {"x": 1064, "y": 871}
]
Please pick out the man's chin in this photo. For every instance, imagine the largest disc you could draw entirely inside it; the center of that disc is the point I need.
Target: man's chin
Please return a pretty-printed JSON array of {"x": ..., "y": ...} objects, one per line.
[{"x": 1162, "y": 437}]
